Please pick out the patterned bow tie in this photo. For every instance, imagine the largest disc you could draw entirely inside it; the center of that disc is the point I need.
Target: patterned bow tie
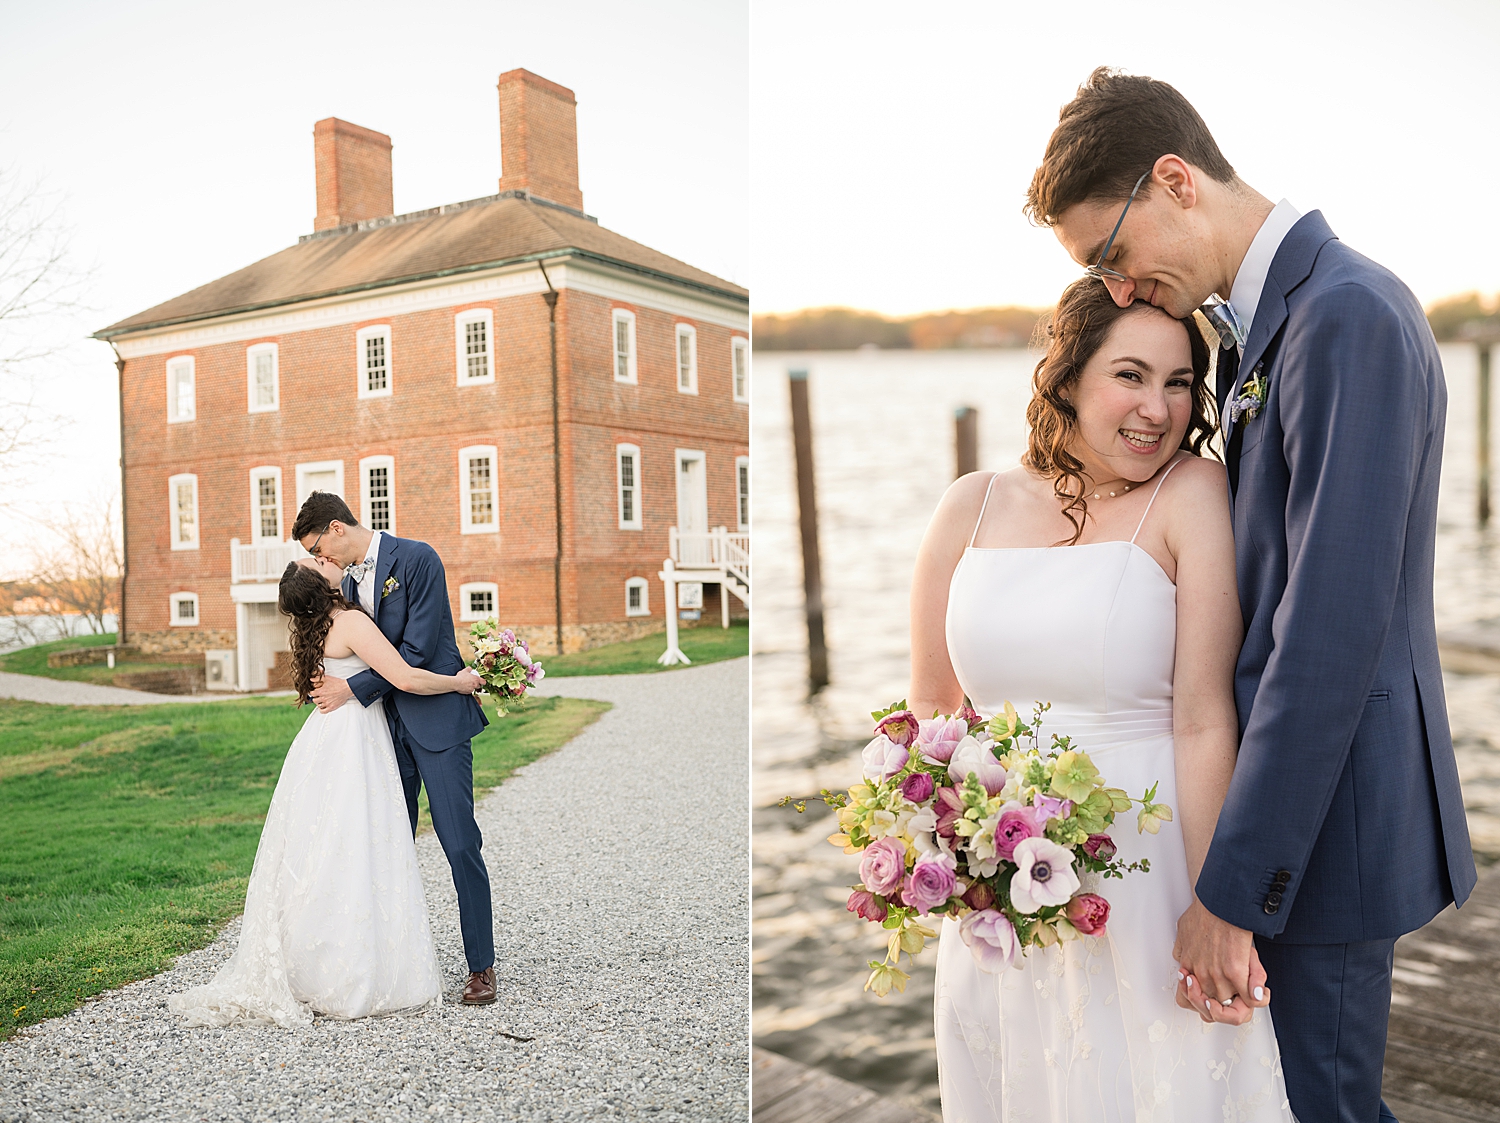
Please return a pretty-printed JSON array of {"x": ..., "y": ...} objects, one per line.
[
  {"x": 1226, "y": 321},
  {"x": 358, "y": 571}
]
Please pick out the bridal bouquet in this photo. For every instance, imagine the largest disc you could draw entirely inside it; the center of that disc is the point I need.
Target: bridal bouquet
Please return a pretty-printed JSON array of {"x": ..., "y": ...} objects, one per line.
[
  {"x": 975, "y": 820},
  {"x": 503, "y": 662}
]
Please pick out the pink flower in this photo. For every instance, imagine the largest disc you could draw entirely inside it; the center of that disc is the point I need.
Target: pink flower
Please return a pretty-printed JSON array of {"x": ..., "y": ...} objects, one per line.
[
  {"x": 1050, "y": 807},
  {"x": 1099, "y": 846},
  {"x": 1044, "y": 875},
  {"x": 949, "y": 806},
  {"x": 991, "y": 939},
  {"x": 980, "y": 897},
  {"x": 867, "y": 906},
  {"x": 939, "y": 737},
  {"x": 1088, "y": 912},
  {"x": 900, "y": 727},
  {"x": 970, "y": 717},
  {"x": 918, "y": 787},
  {"x": 884, "y": 758},
  {"x": 928, "y": 885},
  {"x": 883, "y": 866},
  {"x": 972, "y": 757},
  {"x": 1011, "y": 829}
]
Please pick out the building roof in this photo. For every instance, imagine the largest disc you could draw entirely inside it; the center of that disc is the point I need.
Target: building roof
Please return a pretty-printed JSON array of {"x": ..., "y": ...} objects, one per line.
[{"x": 458, "y": 238}]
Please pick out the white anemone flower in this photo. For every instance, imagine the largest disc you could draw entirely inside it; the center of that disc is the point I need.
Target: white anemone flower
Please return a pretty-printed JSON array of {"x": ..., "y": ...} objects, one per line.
[{"x": 1044, "y": 875}]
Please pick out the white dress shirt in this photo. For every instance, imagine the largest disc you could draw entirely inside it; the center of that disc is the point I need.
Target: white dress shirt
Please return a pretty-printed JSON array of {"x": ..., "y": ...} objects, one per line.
[
  {"x": 367, "y": 583},
  {"x": 1250, "y": 281}
]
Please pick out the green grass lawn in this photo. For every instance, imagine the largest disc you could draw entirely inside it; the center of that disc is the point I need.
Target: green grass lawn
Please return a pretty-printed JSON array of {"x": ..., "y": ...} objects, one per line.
[
  {"x": 33, "y": 661},
  {"x": 130, "y": 830},
  {"x": 707, "y": 644}
]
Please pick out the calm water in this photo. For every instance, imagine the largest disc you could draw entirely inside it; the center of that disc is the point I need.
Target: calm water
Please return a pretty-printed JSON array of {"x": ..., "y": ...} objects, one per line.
[{"x": 883, "y": 443}]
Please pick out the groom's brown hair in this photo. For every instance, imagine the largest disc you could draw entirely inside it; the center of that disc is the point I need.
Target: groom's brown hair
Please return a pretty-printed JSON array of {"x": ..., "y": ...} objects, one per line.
[{"x": 1115, "y": 128}]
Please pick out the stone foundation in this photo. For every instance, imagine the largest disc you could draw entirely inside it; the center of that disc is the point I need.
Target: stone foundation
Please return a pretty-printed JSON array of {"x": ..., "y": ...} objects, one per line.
[{"x": 196, "y": 640}]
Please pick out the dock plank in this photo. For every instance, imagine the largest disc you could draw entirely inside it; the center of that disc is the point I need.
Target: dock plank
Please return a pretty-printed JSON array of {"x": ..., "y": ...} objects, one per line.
[{"x": 786, "y": 1091}]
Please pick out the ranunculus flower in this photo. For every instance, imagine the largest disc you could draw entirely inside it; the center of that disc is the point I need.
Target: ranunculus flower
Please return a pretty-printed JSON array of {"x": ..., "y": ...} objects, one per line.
[
  {"x": 950, "y": 809},
  {"x": 938, "y": 738},
  {"x": 970, "y": 717},
  {"x": 1014, "y": 826},
  {"x": 1088, "y": 912},
  {"x": 1044, "y": 875},
  {"x": 900, "y": 727},
  {"x": 868, "y": 906},
  {"x": 972, "y": 757},
  {"x": 884, "y": 758},
  {"x": 1099, "y": 846},
  {"x": 991, "y": 939},
  {"x": 928, "y": 885},
  {"x": 918, "y": 787},
  {"x": 883, "y": 866},
  {"x": 980, "y": 897}
]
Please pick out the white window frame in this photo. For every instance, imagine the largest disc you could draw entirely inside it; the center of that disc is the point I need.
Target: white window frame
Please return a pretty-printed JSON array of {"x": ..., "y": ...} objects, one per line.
[
  {"x": 466, "y": 614},
  {"x": 460, "y": 344},
  {"x": 256, "y": 475},
  {"x": 251, "y": 354},
  {"x": 466, "y": 525},
  {"x": 740, "y": 387},
  {"x": 691, "y": 333},
  {"x": 742, "y": 493},
  {"x": 361, "y": 378},
  {"x": 366, "y": 514},
  {"x": 174, "y": 529},
  {"x": 622, "y": 451},
  {"x": 312, "y": 466},
  {"x": 645, "y": 587},
  {"x": 174, "y": 364},
  {"x": 618, "y": 317},
  {"x": 172, "y": 606}
]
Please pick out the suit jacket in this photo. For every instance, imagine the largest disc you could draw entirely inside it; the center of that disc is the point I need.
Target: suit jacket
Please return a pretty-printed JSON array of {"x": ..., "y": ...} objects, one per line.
[
  {"x": 1344, "y": 820},
  {"x": 414, "y": 615}
]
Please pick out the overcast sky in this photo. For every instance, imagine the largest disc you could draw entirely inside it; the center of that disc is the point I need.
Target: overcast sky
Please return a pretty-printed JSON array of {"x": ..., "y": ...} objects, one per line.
[
  {"x": 177, "y": 138},
  {"x": 892, "y": 143}
]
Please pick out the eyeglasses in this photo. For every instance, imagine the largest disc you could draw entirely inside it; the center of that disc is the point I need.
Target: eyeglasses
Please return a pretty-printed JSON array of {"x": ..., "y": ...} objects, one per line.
[
  {"x": 319, "y": 538},
  {"x": 1098, "y": 269}
]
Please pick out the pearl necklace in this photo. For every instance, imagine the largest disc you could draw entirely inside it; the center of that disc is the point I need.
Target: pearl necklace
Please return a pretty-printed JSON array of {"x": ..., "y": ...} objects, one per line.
[{"x": 1112, "y": 494}]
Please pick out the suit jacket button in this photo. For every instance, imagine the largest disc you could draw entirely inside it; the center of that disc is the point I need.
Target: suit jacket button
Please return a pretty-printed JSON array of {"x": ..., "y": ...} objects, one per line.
[
  {"x": 1273, "y": 898},
  {"x": 1271, "y": 910},
  {"x": 1283, "y": 877}
]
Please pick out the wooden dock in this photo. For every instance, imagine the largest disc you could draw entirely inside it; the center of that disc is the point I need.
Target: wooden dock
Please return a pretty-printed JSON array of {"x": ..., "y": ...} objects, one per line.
[{"x": 785, "y": 1091}]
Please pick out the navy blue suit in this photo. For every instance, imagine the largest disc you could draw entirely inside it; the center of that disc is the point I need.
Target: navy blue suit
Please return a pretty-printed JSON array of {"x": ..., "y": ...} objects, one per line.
[
  {"x": 432, "y": 732},
  {"x": 1344, "y": 825}
]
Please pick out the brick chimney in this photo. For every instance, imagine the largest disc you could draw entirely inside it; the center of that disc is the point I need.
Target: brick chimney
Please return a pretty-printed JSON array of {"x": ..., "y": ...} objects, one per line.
[
  {"x": 354, "y": 173},
  {"x": 539, "y": 138}
]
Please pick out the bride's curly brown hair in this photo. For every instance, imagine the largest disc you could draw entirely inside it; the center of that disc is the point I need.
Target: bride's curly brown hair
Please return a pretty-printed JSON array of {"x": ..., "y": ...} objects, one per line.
[
  {"x": 311, "y": 602},
  {"x": 1073, "y": 335}
]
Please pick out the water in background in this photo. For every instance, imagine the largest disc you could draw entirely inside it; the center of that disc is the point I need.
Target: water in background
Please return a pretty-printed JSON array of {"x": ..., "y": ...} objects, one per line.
[
  {"x": 883, "y": 447},
  {"x": 17, "y": 632}
]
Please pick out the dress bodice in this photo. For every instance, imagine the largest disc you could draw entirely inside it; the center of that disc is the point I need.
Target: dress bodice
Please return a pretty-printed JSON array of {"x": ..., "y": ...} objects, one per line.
[{"x": 344, "y": 666}]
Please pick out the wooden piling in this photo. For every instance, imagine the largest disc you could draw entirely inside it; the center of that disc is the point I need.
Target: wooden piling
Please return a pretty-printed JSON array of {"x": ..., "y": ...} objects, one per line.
[
  {"x": 812, "y": 571},
  {"x": 1484, "y": 432},
  {"x": 966, "y": 440}
]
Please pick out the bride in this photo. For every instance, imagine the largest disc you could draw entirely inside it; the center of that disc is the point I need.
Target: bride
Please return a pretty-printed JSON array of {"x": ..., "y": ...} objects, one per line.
[
  {"x": 1099, "y": 576},
  {"x": 335, "y": 917}
]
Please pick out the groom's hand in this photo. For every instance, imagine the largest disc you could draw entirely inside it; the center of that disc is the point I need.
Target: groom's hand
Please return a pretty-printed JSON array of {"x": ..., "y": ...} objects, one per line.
[
  {"x": 1218, "y": 962},
  {"x": 331, "y": 693}
]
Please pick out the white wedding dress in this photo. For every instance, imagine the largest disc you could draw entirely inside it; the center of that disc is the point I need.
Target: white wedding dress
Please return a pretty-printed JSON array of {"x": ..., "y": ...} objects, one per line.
[
  {"x": 335, "y": 916},
  {"x": 1088, "y": 1031}
]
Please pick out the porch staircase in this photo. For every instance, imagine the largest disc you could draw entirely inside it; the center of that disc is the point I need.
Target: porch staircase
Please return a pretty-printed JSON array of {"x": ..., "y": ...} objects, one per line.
[{"x": 716, "y": 557}]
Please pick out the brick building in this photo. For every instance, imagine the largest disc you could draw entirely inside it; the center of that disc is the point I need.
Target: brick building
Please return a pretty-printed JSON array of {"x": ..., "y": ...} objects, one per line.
[{"x": 554, "y": 407}]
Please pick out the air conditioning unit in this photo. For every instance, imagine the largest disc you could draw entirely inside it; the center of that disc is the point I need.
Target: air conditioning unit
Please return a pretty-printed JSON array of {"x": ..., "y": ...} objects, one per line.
[{"x": 222, "y": 668}]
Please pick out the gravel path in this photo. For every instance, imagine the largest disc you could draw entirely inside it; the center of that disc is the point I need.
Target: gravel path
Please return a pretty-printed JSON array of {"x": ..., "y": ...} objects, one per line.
[
  {"x": 620, "y": 870},
  {"x": 59, "y": 692}
]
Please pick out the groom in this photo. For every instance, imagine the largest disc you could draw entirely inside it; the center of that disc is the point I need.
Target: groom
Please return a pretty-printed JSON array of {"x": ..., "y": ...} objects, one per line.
[
  {"x": 400, "y": 583},
  {"x": 1343, "y": 826}
]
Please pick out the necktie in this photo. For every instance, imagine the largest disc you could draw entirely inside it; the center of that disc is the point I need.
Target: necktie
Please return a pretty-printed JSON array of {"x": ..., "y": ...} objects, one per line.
[
  {"x": 359, "y": 570},
  {"x": 1224, "y": 379},
  {"x": 1225, "y": 319}
]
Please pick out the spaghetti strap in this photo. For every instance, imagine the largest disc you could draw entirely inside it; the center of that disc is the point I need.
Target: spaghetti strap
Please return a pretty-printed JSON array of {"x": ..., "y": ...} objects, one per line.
[
  {"x": 993, "y": 477},
  {"x": 1152, "y": 500}
]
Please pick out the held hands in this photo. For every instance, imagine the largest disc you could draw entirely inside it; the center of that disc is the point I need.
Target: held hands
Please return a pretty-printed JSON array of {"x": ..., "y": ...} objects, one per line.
[
  {"x": 1218, "y": 961},
  {"x": 331, "y": 693}
]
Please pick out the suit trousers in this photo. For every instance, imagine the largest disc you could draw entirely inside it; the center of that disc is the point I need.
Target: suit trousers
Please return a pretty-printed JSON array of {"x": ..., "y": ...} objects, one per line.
[
  {"x": 449, "y": 777},
  {"x": 1331, "y": 1004}
]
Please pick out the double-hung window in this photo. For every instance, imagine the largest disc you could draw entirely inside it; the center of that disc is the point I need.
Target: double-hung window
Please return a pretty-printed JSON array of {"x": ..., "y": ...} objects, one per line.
[
  {"x": 687, "y": 359},
  {"x": 478, "y": 490},
  {"x": 262, "y": 377},
  {"x": 742, "y": 491},
  {"x": 372, "y": 358},
  {"x": 377, "y": 493},
  {"x": 739, "y": 356},
  {"x": 182, "y": 511},
  {"x": 478, "y": 600},
  {"x": 624, "y": 341},
  {"x": 636, "y": 602},
  {"x": 181, "y": 394},
  {"x": 628, "y": 473},
  {"x": 183, "y": 610},
  {"x": 265, "y": 505},
  {"x": 474, "y": 336}
]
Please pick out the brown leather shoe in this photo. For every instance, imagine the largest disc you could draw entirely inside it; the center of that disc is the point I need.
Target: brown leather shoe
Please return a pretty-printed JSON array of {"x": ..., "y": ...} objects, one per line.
[{"x": 480, "y": 990}]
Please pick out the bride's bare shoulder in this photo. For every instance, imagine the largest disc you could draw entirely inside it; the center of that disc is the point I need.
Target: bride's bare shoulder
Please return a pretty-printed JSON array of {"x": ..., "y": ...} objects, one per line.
[
  {"x": 968, "y": 495},
  {"x": 1198, "y": 487}
]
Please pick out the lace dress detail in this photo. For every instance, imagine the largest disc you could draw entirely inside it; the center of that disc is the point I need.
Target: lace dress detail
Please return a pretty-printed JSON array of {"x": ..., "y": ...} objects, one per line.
[
  {"x": 1089, "y": 1031},
  {"x": 335, "y": 915}
]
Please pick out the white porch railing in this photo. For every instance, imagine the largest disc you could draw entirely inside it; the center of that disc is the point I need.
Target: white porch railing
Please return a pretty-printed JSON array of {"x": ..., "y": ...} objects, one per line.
[
  {"x": 261, "y": 561},
  {"x": 712, "y": 549}
]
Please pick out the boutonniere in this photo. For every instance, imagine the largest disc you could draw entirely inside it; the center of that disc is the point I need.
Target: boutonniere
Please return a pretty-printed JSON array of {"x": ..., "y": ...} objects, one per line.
[
  {"x": 1252, "y": 397},
  {"x": 391, "y": 585}
]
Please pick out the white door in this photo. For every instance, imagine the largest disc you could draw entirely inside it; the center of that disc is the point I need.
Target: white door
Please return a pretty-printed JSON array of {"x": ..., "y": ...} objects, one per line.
[
  {"x": 321, "y": 475},
  {"x": 692, "y": 509},
  {"x": 266, "y": 630}
]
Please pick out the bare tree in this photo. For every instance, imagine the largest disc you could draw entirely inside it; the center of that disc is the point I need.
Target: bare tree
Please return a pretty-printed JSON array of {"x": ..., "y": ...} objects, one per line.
[{"x": 78, "y": 568}]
